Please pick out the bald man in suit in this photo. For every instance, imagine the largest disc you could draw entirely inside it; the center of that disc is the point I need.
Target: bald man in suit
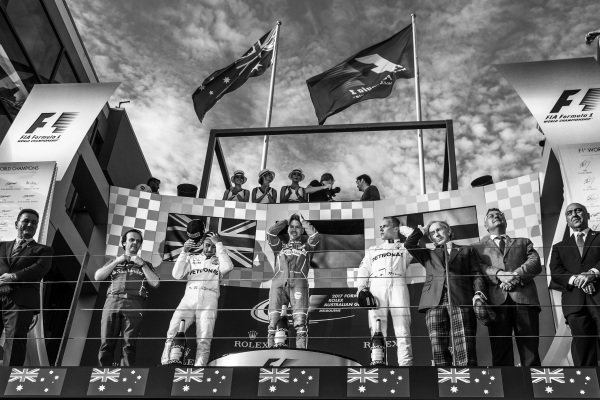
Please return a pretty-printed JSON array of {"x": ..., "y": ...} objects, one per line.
[
  {"x": 575, "y": 268},
  {"x": 23, "y": 264}
]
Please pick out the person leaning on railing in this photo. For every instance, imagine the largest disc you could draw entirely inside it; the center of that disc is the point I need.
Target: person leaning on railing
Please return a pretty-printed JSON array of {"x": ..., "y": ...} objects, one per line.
[
  {"x": 123, "y": 309},
  {"x": 23, "y": 264}
]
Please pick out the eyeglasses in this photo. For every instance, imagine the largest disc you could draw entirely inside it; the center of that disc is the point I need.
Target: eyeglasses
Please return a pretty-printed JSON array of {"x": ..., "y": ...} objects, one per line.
[
  {"x": 383, "y": 226},
  {"x": 296, "y": 174}
]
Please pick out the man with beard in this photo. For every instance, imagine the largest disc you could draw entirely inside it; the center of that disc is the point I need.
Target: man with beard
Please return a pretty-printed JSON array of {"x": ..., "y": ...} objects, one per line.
[
  {"x": 290, "y": 283},
  {"x": 575, "y": 267}
]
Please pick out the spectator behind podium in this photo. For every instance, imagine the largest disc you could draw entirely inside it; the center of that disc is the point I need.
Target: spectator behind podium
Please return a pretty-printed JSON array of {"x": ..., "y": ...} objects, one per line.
[
  {"x": 370, "y": 192},
  {"x": 23, "y": 264},
  {"x": 323, "y": 191},
  {"x": 122, "y": 313},
  {"x": 293, "y": 193},
  {"x": 265, "y": 193},
  {"x": 237, "y": 193}
]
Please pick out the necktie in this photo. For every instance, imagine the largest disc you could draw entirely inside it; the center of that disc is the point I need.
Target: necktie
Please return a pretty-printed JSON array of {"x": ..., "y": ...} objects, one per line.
[
  {"x": 501, "y": 244},
  {"x": 579, "y": 241},
  {"x": 17, "y": 249}
]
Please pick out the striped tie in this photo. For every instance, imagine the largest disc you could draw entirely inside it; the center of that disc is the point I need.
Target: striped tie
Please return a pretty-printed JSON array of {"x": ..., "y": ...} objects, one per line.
[{"x": 17, "y": 249}]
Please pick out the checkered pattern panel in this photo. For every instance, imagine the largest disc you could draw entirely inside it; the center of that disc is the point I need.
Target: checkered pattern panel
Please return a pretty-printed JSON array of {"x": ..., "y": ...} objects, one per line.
[
  {"x": 519, "y": 199},
  {"x": 129, "y": 209}
]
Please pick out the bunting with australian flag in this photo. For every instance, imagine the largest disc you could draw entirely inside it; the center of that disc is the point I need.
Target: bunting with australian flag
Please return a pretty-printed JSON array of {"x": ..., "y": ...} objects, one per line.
[
  {"x": 237, "y": 235},
  {"x": 288, "y": 382},
  {"x": 34, "y": 382},
  {"x": 470, "y": 382},
  {"x": 202, "y": 382},
  {"x": 254, "y": 62},
  {"x": 549, "y": 383},
  {"x": 378, "y": 382}
]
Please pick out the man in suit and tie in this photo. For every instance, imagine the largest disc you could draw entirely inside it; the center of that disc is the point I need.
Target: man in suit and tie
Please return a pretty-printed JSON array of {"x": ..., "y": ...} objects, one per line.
[
  {"x": 448, "y": 303},
  {"x": 510, "y": 265},
  {"x": 23, "y": 264},
  {"x": 575, "y": 268}
]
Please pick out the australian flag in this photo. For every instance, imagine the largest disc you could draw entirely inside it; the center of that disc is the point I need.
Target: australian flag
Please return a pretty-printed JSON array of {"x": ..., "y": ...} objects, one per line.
[
  {"x": 34, "y": 382},
  {"x": 369, "y": 74},
  {"x": 237, "y": 235},
  {"x": 254, "y": 62},
  {"x": 470, "y": 382},
  {"x": 117, "y": 382},
  {"x": 377, "y": 382},
  {"x": 202, "y": 382},
  {"x": 288, "y": 382},
  {"x": 565, "y": 382}
]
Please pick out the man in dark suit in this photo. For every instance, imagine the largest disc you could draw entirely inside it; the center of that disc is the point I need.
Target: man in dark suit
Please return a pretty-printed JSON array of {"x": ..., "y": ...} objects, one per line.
[
  {"x": 23, "y": 264},
  {"x": 448, "y": 303},
  {"x": 510, "y": 266},
  {"x": 575, "y": 268}
]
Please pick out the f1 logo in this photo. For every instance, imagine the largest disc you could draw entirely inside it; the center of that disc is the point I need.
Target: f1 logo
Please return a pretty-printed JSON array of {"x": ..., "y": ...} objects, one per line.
[
  {"x": 59, "y": 126},
  {"x": 589, "y": 102}
]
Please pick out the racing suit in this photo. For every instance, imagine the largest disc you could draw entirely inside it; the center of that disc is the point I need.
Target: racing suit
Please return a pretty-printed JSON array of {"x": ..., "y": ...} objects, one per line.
[
  {"x": 200, "y": 301},
  {"x": 290, "y": 283},
  {"x": 383, "y": 271}
]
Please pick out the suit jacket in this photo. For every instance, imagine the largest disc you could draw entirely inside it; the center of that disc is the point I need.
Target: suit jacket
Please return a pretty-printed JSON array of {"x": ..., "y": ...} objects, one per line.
[
  {"x": 30, "y": 266},
  {"x": 520, "y": 257},
  {"x": 463, "y": 269},
  {"x": 566, "y": 261}
]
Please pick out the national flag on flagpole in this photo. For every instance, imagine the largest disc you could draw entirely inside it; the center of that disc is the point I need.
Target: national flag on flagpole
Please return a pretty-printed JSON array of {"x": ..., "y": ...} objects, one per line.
[
  {"x": 565, "y": 382},
  {"x": 254, "y": 62},
  {"x": 377, "y": 382},
  {"x": 288, "y": 382},
  {"x": 34, "y": 382},
  {"x": 238, "y": 236},
  {"x": 117, "y": 382},
  {"x": 202, "y": 382},
  {"x": 369, "y": 74},
  {"x": 470, "y": 382}
]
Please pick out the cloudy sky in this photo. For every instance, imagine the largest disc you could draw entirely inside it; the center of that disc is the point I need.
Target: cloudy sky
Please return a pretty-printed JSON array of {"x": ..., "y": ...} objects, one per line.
[{"x": 161, "y": 50}]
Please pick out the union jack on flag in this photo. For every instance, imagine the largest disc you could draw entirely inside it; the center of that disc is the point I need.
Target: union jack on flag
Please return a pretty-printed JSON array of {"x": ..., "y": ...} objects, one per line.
[
  {"x": 105, "y": 375},
  {"x": 454, "y": 375},
  {"x": 237, "y": 236},
  {"x": 274, "y": 375},
  {"x": 363, "y": 375},
  {"x": 547, "y": 375},
  {"x": 25, "y": 374},
  {"x": 188, "y": 375}
]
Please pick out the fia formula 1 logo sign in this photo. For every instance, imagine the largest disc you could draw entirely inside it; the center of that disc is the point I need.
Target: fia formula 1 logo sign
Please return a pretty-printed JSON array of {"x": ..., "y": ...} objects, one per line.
[
  {"x": 48, "y": 127},
  {"x": 574, "y": 105}
]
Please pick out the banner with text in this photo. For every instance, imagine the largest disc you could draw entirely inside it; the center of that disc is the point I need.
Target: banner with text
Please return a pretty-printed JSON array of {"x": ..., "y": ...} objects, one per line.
[{"x": 53, "y": 122}]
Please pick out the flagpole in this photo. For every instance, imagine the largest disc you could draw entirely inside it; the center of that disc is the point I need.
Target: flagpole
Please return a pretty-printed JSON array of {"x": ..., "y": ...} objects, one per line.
[
  {"x": 263, "y": 162},
  {"x": 418, "y": 106}
]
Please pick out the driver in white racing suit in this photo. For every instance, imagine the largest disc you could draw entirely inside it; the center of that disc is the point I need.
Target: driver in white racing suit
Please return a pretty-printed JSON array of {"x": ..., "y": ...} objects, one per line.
[
  {"x": 383, "y": 272},
  {"x": 200, "y": 301}
]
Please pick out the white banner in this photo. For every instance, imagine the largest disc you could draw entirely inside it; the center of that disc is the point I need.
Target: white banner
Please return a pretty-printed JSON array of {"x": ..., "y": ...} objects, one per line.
[
  {"x": 25, "y": 185},
  {"x": 581, "y": 174},
  {"x": 53, "y": 122},
  {"x": 562, "y": 95}
]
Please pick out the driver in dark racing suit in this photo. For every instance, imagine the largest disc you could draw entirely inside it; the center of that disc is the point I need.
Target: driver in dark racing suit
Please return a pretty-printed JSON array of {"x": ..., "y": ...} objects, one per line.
[{"x": 290, "y": 283}]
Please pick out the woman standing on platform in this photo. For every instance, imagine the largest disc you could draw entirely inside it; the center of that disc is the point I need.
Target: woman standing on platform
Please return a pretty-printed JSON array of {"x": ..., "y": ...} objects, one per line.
[
  {"x": 294, "y": 193},
  {"x": 237, "y": 193},
  {"x": 265, "y": 193}
]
